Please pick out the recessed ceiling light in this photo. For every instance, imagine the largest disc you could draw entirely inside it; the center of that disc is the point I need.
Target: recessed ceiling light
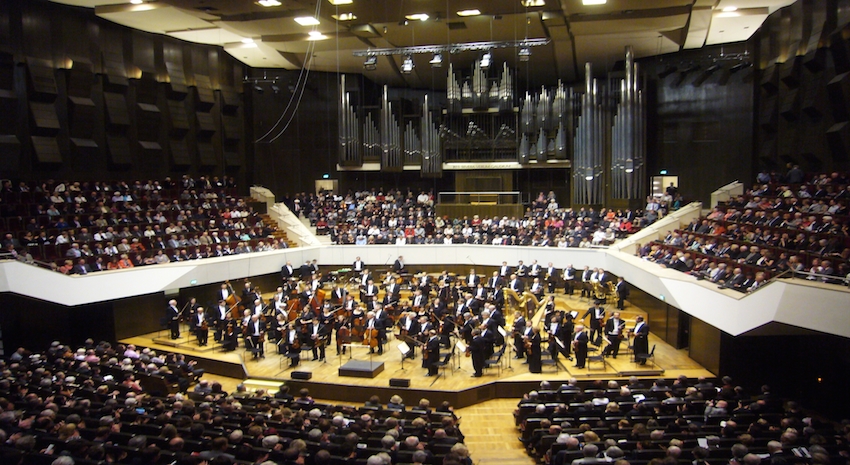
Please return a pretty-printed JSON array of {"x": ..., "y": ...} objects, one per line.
[
  {"x": 533, "y": 3},
  {"x": 306, "y": 21},
  {"x": 269, "y": 3},
  {"x": 248, "y": 41},
  {"x": 594, "y": 2},
  {"x": 344, "y": 17},
  {"x": 316, "y": 35},
  {"x": 728, "y": 14},
  {"x": 729, "y": 9},
  {"x": 418, "y": 17},
  {"x": 136, "y": 2},
  {"x": 341, "y": 2},
  {"x": 474, "y": 12}
]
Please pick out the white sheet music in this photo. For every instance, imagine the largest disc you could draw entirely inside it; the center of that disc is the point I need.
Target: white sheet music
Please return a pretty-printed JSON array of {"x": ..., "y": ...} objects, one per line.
[
  {"x": 461, "y": 347},
  {"x": 403, "y": 348},
  {"x": 502, "y": 331}
]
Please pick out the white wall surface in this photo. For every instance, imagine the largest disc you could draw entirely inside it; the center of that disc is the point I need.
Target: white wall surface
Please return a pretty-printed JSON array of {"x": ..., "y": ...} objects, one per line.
[{"x": 822, "y": 308}]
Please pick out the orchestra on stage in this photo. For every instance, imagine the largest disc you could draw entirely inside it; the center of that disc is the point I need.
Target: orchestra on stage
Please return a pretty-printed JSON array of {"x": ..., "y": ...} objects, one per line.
[{"x": 435, "y": 312}]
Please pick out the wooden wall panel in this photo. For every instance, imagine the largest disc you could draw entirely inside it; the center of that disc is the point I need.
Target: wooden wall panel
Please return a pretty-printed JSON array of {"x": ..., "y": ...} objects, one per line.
[{"x": 704, "y": 345}]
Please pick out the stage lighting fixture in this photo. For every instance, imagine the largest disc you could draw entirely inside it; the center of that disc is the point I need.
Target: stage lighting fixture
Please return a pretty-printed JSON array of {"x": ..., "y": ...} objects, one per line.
[
  {"x": 437, "y": 61},
  {"x": 407, "y": 65},
  {"x": 371, "y": 63},
  {"x": 524, "y": 53},
  {"x": 486, "y": 59}
]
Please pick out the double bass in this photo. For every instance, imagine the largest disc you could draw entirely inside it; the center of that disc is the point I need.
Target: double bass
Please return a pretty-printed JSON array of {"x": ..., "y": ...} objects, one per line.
[{"x": 233, "y": 302}]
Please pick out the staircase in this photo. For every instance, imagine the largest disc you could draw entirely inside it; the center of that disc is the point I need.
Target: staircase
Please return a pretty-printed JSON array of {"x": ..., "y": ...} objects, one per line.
[
  {"x": 324, "y": 239},
  {"x": 278, "y": 232}
]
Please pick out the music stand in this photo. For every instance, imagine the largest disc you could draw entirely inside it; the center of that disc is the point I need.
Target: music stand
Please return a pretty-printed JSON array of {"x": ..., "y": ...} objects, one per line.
[
  {"x": 404, "y": 349},
  {"x": 506, "y": 338},
  {"x": 461, "y": 349}
]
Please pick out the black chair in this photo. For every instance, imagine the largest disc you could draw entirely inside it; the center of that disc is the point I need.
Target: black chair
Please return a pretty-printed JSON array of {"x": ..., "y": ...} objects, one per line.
[
  {"x": 643, "y": 358},
  {"x": 445, "y": 362},
  {"x": 495, "y": 360}
]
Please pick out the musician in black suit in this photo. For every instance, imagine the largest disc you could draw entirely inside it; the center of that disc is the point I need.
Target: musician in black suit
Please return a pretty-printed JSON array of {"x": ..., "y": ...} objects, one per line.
[
  {"x": 318, "y": 334},
  {"x": 477, "y": 349},
  {"x": 338, "y": 295},
  {"x": 398, "y": 265},
  {"x": 504, "y": 270},
  {"x": 586, "y": 287},
  {"x": 256, "y": 332},
  {"x": 306, "y": 271},
  {"x": 408, "y": 328},
  {"x": 393, "y": 292},
  {"x": 614, "y": 328},
  {"x": 597, "y": 315},
  {"x": 555, "y": 329},
  {"x": 287, "y": 271},
  {"x": 290, "y": 345},
  {"x": 432, "y": 353},
  {"x": 358, "y": 266},
  {"x": 172, "y": 313},
  {"x": 580, "y": 346},
  {"x": 641, "y": 334},
  {"x": 495, "y": 281},
  {"x": 518, "y": 331},
  {"x": 370, "y": 290},
  {"x": 373, "y": 323},
  {"x": 569, "y": 279},
  {"x": 551, "y": 276},
  {"x": 220, "y": 316},
  {"x": 199, "y": 324},
  {"x": 516, "y": 284},
  {"x": 535, "y": 365},
  {"x": 472, "y": 280},
  {"x": 384, "y": 322},
  {"x": 521, "y": 270},
  {"x": 622, "y": 292}
]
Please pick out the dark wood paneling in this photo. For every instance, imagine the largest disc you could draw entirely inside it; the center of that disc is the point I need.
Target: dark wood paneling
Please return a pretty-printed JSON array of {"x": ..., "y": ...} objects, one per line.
[
  {"x": 138, "y": 315},
  {"x": 705, "y": 345}
]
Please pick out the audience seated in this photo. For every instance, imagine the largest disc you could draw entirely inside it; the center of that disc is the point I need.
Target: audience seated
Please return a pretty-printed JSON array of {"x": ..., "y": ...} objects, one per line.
[
  {"x": 111, "y": 225},
  {"x": 774, "y": 229},
  {"x": 672, "y": 422},
  {"x": 115, "y": 404},
  {"x": 396, "y": 217}
]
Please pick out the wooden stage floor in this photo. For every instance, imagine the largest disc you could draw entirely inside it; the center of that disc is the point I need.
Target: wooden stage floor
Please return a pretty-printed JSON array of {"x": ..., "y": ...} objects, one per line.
[{"x": 454, "y": 384}]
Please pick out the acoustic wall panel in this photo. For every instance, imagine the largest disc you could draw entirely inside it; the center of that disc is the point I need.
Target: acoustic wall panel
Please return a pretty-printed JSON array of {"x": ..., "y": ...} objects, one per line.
[{"x": 46, "y": 150}]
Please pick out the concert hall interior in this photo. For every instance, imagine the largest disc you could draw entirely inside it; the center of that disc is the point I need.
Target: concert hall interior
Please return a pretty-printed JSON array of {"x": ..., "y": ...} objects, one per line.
[{"x": 463, "y": 201}]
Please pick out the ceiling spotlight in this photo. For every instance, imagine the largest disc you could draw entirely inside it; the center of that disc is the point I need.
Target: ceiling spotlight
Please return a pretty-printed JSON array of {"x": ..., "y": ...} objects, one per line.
[
  {"x": 344, "y": 17},
  {"x": 307, "y": 21},
  {"x": 407, "y": 65},
  {"x": 341, "y": 2},
  {"x": 729, "y": 9},
  {"x": 248, "y": 41},
  {"x": 533, "y": 3},
  {"x": 275, "y": 88},
  {"x": 594, "y": 2},
  {"x": 136, "y": 2},
  {"x": 486, "y": 59},
  {"x": 524, "y": 53},
  {"x": 269, "y": 3},
  {"x": 371, "y": 63},
  {"x": 473, "y": 12},
  {"x": 316, "y": 35},
  {"x": 437, "y": 61},
  {"x": 258, "y": 89},
  {"x": 418, "y": 17}
]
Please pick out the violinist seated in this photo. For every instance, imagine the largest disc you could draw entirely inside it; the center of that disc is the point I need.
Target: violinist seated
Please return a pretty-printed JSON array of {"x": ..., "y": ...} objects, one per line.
[
  {"x": 230, "y": 338},
  {"x": 290, "y": 345},
  {"x": 318, "y": 334},
  {"x": 200, "y": 326}
]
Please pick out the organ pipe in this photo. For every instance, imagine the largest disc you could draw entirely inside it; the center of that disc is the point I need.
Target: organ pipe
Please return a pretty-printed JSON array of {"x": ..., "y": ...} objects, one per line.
[{"x": 628, "y": 139}]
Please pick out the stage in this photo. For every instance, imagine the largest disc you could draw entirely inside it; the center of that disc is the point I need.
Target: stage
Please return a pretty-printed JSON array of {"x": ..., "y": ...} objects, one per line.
[{"x": 454, "y": 383}]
